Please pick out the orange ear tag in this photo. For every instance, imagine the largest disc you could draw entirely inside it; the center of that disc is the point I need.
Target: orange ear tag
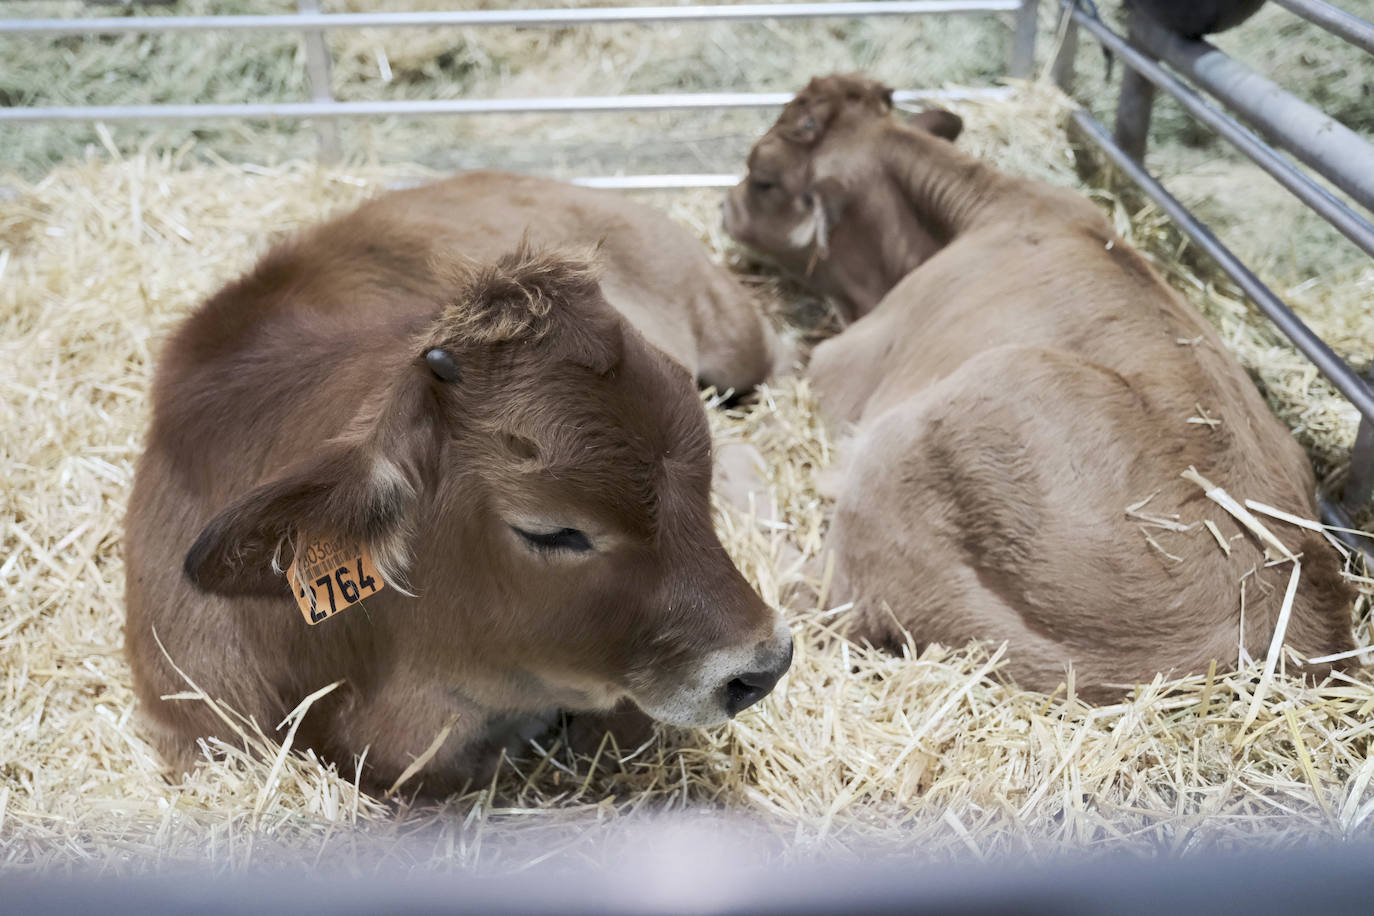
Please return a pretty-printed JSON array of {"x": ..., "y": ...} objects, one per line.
[{"x": 337, "y": 576}]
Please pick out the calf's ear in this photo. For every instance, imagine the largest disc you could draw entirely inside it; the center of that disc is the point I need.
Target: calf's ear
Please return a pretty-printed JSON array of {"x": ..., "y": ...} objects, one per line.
[
  {"x": 939, "y": 122},
  {"x": 361, "y": 488},
  {"x": 805, "y": 119}
]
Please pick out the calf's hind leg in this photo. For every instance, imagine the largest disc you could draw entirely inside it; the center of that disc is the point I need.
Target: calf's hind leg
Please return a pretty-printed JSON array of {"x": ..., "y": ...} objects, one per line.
[{"x": 982, "y": 509}]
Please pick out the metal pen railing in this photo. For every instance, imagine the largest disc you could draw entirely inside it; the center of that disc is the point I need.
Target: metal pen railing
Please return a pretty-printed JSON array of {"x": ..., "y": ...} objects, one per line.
[
  {"x": 664, "y": 101},
  {"x": 324, "y": 107},
  {"x": 1334, "y": 152},
  {"x": 1334, "y": 20},
  {"x": 545, "y": 18}
]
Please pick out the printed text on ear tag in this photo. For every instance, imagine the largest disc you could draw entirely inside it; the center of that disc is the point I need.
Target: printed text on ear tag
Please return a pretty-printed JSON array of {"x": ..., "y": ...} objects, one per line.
[{"x": 336, "y": 575}]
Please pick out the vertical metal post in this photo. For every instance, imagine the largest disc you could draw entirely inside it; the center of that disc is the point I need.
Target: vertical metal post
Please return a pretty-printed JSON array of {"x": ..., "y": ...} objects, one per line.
[
  {"x": 317, "y": 70},
  {"x": 1023, "y": 39},
  {"x": 1133, "y": 108},
  {"x": 1062, "y": 68},
  {"x": 1359, "y": 482}
]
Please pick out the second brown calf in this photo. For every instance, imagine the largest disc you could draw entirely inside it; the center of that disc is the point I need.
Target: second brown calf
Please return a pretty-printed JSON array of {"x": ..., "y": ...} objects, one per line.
[{"x": 1023, "y": 396}]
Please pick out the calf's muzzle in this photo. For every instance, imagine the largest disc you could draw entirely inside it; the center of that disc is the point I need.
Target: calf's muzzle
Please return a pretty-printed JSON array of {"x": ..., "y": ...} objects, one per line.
[{"x": 744, "y": 690}]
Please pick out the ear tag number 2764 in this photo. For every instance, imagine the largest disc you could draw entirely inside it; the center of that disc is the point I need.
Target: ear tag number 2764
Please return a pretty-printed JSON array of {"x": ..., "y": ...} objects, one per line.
[{"x": 336, "y": 576}]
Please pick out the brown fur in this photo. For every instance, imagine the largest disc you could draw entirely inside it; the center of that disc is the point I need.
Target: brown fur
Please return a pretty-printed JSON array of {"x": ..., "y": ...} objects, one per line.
[
  {"x": 298, "y": 402},
  {"x": 1025, "y": 381},
  {"x": 653, "y": 271}
]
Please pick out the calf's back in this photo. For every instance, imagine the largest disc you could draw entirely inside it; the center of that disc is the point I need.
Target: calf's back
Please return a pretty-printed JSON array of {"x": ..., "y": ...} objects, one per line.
[{"x": 1022, "y": 405}]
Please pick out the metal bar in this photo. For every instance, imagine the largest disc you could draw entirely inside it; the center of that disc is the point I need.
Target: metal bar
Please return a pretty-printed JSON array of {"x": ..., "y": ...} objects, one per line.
[
  {"x": 1135, "y": 104},
  {"x": 1023, "y": 40},
  {"x": 1323, "y": 202},
  {"x": 657, "y": 182},
  {"x": 1359, "y": 482},
  {"x": 1335, "y": 515},
  {"x": 317, "y": 70},
  {"x": 720, "y": 869},
  {"x": 1313, "y": 136},
  {"x": 1346, "y": 380},
  {"x": 424, "y": 107},
  {"x": 1359, "y": 485},
  {"x": 619, "y": 182},
  {"x": 1062, "y": 68},
  {"x": 522, "y": 18},
  {"x": 1336, "y": 21}
]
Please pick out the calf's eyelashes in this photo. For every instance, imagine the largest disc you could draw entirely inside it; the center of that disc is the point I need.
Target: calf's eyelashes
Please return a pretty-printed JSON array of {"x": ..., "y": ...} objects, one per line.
[{"x": 568, "y": 540}]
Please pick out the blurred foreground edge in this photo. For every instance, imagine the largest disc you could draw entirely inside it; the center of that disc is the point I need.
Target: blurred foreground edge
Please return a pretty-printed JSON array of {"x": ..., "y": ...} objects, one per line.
[{"x": 702, "y": 876}]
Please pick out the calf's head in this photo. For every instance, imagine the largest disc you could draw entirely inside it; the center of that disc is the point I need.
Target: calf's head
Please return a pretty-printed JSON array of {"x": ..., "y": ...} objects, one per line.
[
  {"x": 824, "y": 199},
  {"x": 537, "y": 476}
]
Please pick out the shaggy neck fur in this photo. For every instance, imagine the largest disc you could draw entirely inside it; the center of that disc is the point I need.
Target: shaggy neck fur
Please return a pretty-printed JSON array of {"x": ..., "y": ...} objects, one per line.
[{"x": 949, "y": 191}]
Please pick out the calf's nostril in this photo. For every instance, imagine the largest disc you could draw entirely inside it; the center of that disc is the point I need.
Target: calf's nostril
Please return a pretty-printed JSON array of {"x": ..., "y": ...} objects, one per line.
[{"x": 747, "y": 689}]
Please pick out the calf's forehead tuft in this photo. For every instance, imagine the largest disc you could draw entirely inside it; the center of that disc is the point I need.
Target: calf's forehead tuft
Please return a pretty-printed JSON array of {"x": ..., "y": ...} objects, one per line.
[
  {"x": 808, "y": 117},
  {"x": 848, "y": 87},
  {"x": 516, "y": 297}
]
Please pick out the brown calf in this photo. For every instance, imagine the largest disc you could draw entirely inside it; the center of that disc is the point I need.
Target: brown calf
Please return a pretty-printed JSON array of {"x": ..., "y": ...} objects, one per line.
[
  {"x": 1023, "y": 403},
  {"x": 529, "y": 475}
]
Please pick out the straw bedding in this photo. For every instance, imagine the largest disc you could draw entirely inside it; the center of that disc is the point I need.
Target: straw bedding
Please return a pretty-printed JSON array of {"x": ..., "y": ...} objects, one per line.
[{"x": 855, "y": 750}]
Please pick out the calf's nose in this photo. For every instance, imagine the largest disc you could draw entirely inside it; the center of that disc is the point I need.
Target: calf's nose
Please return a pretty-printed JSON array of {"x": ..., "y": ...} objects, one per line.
[{"x": 744, "y": 690}]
